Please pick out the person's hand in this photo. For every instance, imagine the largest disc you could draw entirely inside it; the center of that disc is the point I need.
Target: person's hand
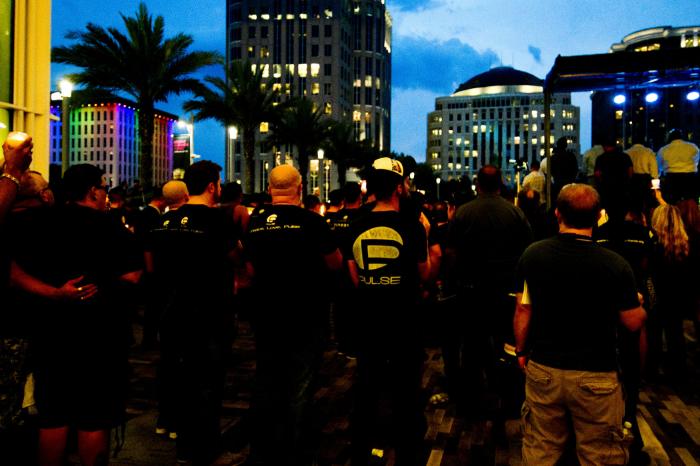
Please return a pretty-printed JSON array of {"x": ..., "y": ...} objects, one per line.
[
  {"x": 522, "y": 363},
  {"x": 17, "y": 157},
  {"x": 71, "y": 291},
  {"x": 425, "y": 222}
]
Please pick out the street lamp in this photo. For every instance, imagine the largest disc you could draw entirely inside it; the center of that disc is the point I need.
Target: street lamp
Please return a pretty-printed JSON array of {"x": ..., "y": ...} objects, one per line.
[
  {"x": 437, "y": 181},
  {"x": 319, "y": 155},
  {"x": 65, "y": 87},
  {"x": 231, "y": 159}
]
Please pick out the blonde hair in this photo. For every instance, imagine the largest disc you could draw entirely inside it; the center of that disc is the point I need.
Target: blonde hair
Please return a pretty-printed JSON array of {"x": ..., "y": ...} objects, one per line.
[{"x": 668, "y": 225}]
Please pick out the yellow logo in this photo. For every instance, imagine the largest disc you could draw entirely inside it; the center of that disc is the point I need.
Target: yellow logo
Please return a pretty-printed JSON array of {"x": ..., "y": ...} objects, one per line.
[
  {"x": 184, "y": 221},
  {"x": 271, "y": 219},
  {"x": 377, "y": 248}
]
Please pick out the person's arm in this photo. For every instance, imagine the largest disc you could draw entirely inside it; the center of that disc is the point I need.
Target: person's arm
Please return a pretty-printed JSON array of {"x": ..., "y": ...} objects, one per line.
[
  {"x": 334, "y": 260},
  {"x": 435, "y": 254},
  {"x": 133, "y": 277},
  {"x": 521, "y": 328},
  {"x": 69, "y": 291},
  {"x": 352, "y": 270},
  {"x": 17, "y": 161},
  {"x": 633, "y": 319},
  {"x": 241, "y": 217}
]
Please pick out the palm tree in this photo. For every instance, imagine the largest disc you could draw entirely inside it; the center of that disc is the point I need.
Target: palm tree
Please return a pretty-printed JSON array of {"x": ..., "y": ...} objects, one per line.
[
  {"x": 245, "y": 101},
  {"x": 141, "y": 63},
  {"x": 303, "y": 126},
  {"x": 340, "y": 147}
]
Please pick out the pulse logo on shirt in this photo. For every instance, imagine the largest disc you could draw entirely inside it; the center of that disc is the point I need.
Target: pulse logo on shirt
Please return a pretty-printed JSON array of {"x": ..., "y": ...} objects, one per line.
[
  {"x": 271, "y": 219},
  {"x": 376, "y": 248}
]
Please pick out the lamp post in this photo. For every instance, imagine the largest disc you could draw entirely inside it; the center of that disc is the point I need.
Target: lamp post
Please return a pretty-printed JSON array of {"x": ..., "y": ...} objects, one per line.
[
  {"x": 319, "y": 154},
  {"x": 231, "y": 159},
  {"x": 437, "y": 181},
  {"x": 66, "y": 89}
]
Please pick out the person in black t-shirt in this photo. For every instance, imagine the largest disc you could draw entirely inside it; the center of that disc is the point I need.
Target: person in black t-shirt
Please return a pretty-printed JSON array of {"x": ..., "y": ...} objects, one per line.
[
  {"x": 387, "y": 256},
  {"x": 571, "y": 295},
  {"x": 289, "y": 251},
  {"x": 80, "y": 350},
  {"x": 189, "y": 254}
]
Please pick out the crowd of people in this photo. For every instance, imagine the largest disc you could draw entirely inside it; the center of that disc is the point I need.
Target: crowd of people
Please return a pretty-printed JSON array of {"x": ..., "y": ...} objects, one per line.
[{"x": 549, "y": 314}]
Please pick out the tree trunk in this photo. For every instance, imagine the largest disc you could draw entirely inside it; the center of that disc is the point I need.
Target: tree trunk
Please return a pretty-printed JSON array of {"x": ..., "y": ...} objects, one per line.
[
  {"x": 145, "y": 131},
  {"x": 249, "y": 159}
]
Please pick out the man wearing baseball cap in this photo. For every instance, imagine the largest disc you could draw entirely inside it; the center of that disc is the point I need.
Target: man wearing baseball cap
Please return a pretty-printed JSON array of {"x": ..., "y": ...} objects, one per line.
[{"x": 387, "y": 256}]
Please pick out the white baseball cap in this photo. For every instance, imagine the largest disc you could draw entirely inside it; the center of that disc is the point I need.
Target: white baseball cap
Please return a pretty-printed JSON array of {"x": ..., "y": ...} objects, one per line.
[{"x": 385, "y": 163}]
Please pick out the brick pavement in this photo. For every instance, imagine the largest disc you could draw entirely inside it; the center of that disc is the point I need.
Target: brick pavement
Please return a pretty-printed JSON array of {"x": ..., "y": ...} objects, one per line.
[{"x": 669, "y": 419}]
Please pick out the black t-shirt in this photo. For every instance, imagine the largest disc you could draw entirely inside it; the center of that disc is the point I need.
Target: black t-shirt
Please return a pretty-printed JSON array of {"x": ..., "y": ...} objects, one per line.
[
  {"x": 632, "y": 241},
  {"x": 614, "y": 168},
  {"x": 286, "y": 246},
  {"x": 190, "y": 257},
  {"x": 81, "y": 242},
  {"x": 489, "y": 235},
  {"x": 576, "y": 289},
  {"x": 387, "y": 248}
]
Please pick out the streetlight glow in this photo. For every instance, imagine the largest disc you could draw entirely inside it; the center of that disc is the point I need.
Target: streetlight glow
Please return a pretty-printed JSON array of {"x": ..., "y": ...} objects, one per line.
[
  {"x": 693, "y": 95},
  {"x": 651, "y": 97},
  {"x": 619, "y": 99},
  {"x": 232, "y": 132},
  {"x": 66, "y": 88},
  {"x": 320, "y": 154}
]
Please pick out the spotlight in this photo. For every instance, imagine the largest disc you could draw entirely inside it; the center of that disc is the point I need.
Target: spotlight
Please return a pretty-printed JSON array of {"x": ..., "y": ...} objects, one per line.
[
  {"x": 619, "y": 99},
  {"x": 693, "y": 95},
  {"x": 651, "y": 97}
]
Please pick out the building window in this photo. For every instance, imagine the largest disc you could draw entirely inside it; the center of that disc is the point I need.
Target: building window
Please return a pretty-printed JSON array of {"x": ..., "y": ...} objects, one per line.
[
  {"x": 251, "y": 32},
  {"x": 236, "y": 34},
  {"x": 328, "y": 30},
  {"x": 264, "y": 32},
  {"x": 314, "y": 50},
  {"x": 327, "y": 50},
  {"x": 327, "y": 69},
  {"x": 314, "y": 30},
  {"x": 327, "y": 88}
]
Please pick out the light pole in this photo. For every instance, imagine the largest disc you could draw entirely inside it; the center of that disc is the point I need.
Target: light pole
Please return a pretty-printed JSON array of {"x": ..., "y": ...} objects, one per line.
[
  {"x": 319, "y": 154},
  {"x": 231, "y": 159},
  {"x": 66, "y": 89},
  {"x": 437, "y": 181}
]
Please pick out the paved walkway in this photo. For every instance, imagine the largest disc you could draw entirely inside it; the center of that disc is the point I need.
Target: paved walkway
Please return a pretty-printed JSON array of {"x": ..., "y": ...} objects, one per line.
[{"x": 669, "y": 418}]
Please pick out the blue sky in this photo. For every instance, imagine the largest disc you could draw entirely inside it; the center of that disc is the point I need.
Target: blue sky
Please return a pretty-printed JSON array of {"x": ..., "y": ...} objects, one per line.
[{"x": 437, "y": 44}]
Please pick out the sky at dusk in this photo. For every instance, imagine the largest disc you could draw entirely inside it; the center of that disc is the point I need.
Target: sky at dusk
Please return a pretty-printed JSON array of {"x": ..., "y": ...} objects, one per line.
[{"x": 437, "y": 44}]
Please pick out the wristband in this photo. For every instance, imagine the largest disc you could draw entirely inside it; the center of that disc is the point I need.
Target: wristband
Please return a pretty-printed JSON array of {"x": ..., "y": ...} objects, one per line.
[{"x": 14, "y": 179}]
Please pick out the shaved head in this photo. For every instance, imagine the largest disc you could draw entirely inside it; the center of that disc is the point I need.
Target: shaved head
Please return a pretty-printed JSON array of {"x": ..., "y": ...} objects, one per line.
[
  {"x": 578, "y": 205},
  {"x": 284, "y": 180},
  {"x": 175, "y": 193}
]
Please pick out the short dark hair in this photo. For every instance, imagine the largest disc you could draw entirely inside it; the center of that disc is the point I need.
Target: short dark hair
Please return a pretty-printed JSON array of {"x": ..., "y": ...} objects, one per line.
[
  {"x": 310, "y": 201},
  {"x": 335, "y": 197},
  {"x": 351, "y": 191},
  {"x": 578, "y": 205},
  {"x": 535, "y": 164},
  {"x": 231, "y": 192},
  {"x": 78, "y": 180},
  {"x": 383, "y": 183},
  {"x": 489, "y": 179},
  {"x": 199, "y": 175}
]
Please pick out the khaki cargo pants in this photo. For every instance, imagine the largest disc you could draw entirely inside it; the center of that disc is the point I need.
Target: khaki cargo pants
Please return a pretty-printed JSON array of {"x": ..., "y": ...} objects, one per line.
[{"x": 590, "y": 401}]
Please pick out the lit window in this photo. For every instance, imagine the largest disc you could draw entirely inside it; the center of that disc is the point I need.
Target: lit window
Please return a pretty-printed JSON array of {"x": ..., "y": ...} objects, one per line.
[
  {"x": 475, "y": 129},
  {"x": 252, "y": 17},
  {"x": 315, "y": 88},
  {"x": 315, "y": 69},
  {"x": 368, "y": 81},
  {"x": 618, "y": 114},
  {"x": 483, "y": 128},
  {"x": 357, "y": 83},
  {"x": 265, "y": 16},
  {"x": 266, "y": 71},
  {"x": 303, "y": 68},
  {"x": 356, "y": 116},
  {"x": 534, "y": 114},
  {"x": 328, "y": 13},
  {"x": 459, "y": 141},
  {"x": 264, "y": 127},
  {"x": 534, "y": 127},
  {"x": 328, "y": 108}
]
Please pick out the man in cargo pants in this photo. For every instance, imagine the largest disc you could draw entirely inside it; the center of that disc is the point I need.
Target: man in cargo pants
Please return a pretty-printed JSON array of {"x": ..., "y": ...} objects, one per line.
[{"x": 565, "y": 338}]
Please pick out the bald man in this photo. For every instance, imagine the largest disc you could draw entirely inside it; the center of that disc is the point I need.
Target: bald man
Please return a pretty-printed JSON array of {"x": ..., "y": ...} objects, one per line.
[
  {"x": 566, "y": 337},
  {"x": 175, "y": 194},
  {"x": 289, "y": 254}
]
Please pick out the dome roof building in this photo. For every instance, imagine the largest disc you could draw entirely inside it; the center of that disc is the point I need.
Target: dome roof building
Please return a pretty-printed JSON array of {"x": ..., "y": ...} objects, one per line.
[{"x": 496, "y": 118}]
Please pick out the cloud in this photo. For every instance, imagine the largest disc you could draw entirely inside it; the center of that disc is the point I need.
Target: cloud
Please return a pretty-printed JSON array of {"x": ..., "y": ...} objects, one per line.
[
  {"x": 439, "y": 66},
  {"x": 410, "y": 108},
  {"x": 411, "y": 5},
  {"x": 536, "y": 53}
]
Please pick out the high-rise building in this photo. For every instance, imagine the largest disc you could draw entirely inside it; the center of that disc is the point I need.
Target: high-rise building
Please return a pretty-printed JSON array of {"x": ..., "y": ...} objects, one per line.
[
  {"x": 335, "y": 52},
  {"x": 647, "y": 115},
  {"x": 106, "y": 135},
  {"x": 497, "y": 118}
]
